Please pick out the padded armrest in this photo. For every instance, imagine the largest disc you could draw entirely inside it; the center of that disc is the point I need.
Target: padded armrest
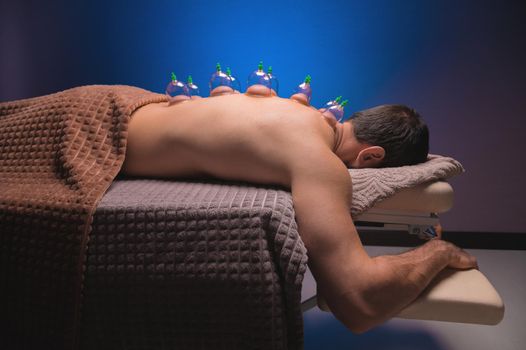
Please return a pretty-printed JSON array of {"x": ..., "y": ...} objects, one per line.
[
  {"x": 458, "y": 296},
  {"x": 454, "y": 296}
]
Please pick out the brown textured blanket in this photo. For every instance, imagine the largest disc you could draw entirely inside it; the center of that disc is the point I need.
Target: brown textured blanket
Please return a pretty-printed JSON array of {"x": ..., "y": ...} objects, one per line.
[{"x": 58, "y": 155}]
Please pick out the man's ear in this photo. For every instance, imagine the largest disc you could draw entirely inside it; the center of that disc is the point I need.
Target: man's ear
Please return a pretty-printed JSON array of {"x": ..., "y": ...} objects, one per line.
[{"x": 370, "y": 157}]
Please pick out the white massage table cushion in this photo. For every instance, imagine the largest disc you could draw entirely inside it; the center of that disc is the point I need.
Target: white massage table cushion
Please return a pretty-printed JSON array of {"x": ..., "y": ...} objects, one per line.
[
  {"x": 412, "y": 209},
  {"x": 464, "y": 296},
  {"x": 431, "y": 197},
  {"x": 461, "y": 295}
]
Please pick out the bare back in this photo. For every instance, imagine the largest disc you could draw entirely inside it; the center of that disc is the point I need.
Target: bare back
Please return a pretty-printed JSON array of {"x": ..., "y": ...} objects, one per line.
[{"x": 236, "y": 137}]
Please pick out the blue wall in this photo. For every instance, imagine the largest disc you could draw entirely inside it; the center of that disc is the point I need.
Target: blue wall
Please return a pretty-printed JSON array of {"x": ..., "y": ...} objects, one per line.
[
  {"x": 348, "y": 48},
  {"x": 459, "y": 63}
]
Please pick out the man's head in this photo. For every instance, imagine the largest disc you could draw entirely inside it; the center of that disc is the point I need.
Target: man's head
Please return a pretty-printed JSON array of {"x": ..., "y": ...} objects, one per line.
[{"x": 384, "y": 136}]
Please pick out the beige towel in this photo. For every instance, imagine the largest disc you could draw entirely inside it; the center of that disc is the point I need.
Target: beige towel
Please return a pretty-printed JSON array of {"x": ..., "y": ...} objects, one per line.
[{"x": 373, "y": 185}]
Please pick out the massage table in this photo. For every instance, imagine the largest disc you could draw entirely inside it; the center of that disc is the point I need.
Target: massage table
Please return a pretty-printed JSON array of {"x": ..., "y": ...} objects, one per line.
[
  {"x": 192, "y": 264},
  {"x": 464, "y": 296}
]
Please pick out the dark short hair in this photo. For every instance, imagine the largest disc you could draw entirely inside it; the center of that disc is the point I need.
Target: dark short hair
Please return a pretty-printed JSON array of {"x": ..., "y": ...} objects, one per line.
[{"x": 400, "y": 130}]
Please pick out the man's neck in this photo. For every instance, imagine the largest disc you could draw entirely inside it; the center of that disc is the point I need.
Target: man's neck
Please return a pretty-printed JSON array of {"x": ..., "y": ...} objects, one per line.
[{"x": 338, "y": 136}]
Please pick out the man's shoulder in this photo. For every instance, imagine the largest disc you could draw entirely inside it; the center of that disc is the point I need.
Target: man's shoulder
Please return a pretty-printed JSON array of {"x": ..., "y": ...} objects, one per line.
[{"x": 318, "y": 163}]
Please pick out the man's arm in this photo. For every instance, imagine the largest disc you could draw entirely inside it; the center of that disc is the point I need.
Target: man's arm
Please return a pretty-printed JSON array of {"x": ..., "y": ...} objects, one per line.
[{"x": 361, "y": 291}]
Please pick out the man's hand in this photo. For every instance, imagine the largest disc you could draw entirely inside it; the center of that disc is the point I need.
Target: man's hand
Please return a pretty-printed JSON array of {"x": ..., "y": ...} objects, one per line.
[
  {"x": 457, "y": 257},
  {"x": 438, "y": 231}
]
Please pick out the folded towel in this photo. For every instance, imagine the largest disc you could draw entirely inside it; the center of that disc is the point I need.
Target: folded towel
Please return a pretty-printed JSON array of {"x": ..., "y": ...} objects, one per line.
[{"x": 373, "y": 185}]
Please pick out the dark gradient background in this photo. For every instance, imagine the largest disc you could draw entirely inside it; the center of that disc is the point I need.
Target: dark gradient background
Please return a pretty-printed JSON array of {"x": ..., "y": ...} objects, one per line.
[{"x": 461, "y": 64}]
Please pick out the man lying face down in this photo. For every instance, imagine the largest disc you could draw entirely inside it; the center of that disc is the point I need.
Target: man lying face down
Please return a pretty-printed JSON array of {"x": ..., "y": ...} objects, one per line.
[{"x": 270, "y": 140}]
